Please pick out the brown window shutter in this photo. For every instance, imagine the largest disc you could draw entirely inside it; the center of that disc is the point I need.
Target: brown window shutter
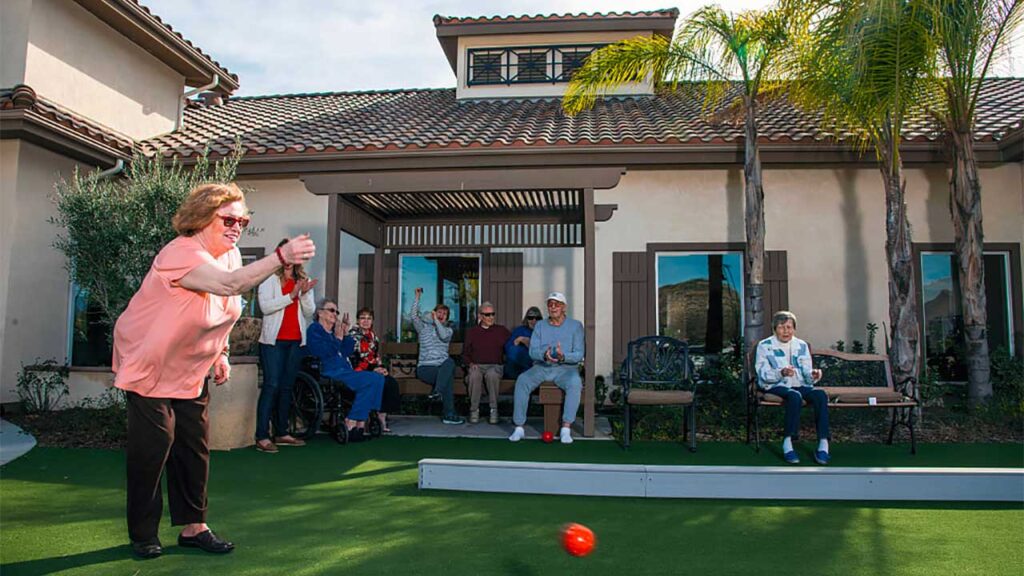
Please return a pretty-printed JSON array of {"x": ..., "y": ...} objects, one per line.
[
  {"x": 631, "y": 301},
  {"x": 364, "y": 293},
  {"x": 386, "y": 315},
  {"x": 776, "y": 285},
  {"x": 505, "y": 287}
]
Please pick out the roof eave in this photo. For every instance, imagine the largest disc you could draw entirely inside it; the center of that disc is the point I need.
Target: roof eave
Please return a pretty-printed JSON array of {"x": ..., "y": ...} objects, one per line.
[
  {"x": 1011, "y": 146},
  {"x": 142, "y": 28},
  {"x": 650, "y": 156},
  {"x": 35, "y": 128}
]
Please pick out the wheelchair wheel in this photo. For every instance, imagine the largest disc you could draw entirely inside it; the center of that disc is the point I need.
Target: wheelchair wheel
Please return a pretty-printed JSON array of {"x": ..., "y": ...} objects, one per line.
[
  {"x": 307, "y": 406},
  {"x": 373, "y": 425},
  {"x": 336, "y": 425}
]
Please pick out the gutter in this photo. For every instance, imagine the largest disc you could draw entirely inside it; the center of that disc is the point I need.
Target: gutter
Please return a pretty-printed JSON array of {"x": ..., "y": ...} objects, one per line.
[{"x": 191, "y": 93}]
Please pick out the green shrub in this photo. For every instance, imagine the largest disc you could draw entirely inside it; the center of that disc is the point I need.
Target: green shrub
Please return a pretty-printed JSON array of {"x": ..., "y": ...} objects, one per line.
[
  {"x": 110, "y": 229},
  {"x": 42, "y": 386},
  {"x": 1007, "y": 383}
]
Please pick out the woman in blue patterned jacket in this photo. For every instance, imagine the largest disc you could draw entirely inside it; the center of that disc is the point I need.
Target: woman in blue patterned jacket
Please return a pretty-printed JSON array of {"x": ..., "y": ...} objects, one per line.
[
  {"x": 784, "y": 368},
  {"x": 328, "y": 340}
]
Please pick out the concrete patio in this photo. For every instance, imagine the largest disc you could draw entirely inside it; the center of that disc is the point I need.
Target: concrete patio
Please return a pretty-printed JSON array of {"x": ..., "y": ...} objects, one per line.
[{"x": 431, "y": 427}]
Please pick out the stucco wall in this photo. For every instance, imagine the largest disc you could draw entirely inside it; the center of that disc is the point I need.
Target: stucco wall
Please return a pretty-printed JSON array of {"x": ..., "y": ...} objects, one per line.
[
  {"x": 81, "y": 63},
  {"x": 463, "y": 90},
  {"x": 9, "y": 150},
  {"x": 14, "y": 25},
  {"x": 829, "y": 220},
  {"x": 35, "y": 306},
  {"x": 284, "y": 209}
]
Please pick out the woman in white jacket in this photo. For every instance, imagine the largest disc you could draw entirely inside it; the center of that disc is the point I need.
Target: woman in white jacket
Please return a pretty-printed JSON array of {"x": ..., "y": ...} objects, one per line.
[{"x": 286, "y": 299}]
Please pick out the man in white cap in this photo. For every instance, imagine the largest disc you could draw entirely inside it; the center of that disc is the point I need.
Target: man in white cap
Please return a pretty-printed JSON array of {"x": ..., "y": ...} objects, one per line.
[{"x": 556, "y": 348}]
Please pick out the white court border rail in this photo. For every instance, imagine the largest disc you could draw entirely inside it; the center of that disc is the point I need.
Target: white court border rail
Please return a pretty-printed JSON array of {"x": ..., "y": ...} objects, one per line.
[{"x": 727, "y": 482}]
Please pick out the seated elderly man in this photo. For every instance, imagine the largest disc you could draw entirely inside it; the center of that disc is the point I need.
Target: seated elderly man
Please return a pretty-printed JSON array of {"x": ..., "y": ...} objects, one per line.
[
  {"x": 482, "y": 352},
  {"x": 557, "y": 349},
  {"x": 783, "y": 366}
]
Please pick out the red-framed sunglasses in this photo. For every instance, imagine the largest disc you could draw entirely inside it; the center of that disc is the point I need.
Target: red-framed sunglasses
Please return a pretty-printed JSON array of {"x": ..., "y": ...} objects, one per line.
[{"x": 230, "y": 221}]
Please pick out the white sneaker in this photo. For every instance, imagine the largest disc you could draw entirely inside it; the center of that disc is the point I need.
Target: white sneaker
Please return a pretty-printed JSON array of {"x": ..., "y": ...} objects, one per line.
[
  {"x": 565, "y": 436},
  {"x": 517, "y": 434}
]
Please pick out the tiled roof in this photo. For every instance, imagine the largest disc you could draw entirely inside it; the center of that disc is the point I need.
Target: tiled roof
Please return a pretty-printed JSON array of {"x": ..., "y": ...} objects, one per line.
[
  {"x": 669, "y": 13},
  {"x": 24, "y": 98},
  {"x": 171, "y": 29},
  {"x": 308, "y": 124}
]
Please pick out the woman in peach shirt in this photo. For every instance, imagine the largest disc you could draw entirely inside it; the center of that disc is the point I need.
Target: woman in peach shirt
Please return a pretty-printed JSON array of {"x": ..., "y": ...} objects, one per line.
[{"x": 173, "y": 332}]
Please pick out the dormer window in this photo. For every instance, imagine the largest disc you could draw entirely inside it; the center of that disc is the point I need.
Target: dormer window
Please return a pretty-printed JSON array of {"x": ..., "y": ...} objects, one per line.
[{"x": 525, "y": 64}]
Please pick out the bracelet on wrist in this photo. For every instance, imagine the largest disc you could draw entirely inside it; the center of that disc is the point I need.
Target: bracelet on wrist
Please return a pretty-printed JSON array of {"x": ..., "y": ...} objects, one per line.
[{"x": 280, "y": 256}]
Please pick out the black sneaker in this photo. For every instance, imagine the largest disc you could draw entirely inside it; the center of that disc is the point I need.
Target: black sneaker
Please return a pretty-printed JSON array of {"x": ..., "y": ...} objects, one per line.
[
  {"x": 453, "y": 419},
  {"x": 434, "y": 396}
]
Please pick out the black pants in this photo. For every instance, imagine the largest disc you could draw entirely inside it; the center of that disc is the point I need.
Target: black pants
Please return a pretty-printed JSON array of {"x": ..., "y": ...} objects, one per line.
[
  {"x": 171, "y": 433},
  {"x": 391, "y": 402}
]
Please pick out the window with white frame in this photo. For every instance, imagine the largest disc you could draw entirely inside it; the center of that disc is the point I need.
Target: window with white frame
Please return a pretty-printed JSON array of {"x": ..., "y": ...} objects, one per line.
[{"x": 699, "y": 298}]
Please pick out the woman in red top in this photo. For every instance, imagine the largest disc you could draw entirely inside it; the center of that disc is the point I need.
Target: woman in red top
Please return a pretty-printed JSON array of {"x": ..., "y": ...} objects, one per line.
[
  {"x": 286, "y": 299},
  {"x": 366, "y": 356}
]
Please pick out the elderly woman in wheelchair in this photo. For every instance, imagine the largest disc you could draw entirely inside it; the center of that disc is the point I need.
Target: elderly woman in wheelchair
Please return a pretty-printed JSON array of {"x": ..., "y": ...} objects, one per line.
[{"x": 329, "y": 341}]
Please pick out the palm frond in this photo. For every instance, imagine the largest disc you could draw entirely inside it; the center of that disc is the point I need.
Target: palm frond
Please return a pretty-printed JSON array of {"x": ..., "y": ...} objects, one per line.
[
  {"x": 969, "y": 35},
  {"x": 712, "y": 47},
  {"x": 865, "y": 65},
  {"x": 630, "y": 61}
]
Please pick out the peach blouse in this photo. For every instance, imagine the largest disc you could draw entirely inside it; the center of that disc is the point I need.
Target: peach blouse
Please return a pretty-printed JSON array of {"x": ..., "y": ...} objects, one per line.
[{"x": 168, "y": 337}]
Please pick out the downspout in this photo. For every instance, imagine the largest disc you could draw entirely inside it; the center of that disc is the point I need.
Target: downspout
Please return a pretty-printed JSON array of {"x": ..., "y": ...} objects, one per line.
[
  {"x": 117, "y": 168},
  {"x": 191, "y": 93}
]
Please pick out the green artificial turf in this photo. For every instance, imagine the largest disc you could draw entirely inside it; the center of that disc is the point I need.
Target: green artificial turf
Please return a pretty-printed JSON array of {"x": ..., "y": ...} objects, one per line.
[{"x": 356, "y": 510}]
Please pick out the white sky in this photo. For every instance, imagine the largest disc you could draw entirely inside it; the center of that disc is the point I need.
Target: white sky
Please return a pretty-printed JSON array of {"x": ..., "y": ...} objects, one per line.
[{"x": 293, "y": 46}]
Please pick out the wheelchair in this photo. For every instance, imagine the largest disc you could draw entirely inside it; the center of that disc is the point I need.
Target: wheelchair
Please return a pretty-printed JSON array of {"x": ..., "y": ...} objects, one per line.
[{"x": 314, "y": 396}]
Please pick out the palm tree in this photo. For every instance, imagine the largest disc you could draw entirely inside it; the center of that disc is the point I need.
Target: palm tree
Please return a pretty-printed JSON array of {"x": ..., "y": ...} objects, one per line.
[
  {"x": 864, "y": 66},
  {"x": 713, "y": 49},
  {"x": 969, "y": 34}
]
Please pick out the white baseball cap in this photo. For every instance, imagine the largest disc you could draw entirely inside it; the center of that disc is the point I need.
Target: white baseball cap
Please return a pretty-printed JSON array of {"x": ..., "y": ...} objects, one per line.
[{"x": 558, "y": 297}]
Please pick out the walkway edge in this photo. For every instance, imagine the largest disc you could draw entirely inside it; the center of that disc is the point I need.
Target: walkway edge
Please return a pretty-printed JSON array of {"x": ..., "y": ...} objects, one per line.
[{"x": 14, "y": 442}]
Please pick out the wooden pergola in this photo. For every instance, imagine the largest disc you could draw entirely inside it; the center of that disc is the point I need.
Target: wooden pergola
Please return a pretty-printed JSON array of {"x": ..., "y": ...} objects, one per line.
[{"x": 452, "y": 210}]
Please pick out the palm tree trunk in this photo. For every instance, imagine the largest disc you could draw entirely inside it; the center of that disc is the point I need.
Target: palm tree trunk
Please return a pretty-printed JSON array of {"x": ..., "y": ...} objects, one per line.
[
  {"x": 965, "y": 208},
  {"x": 754, "y": 219},
  {"x": 904, "y": 353}
]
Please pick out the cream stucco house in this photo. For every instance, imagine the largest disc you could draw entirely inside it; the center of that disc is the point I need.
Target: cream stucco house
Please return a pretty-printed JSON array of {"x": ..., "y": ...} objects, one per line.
[{"x": 486, "y": 191}]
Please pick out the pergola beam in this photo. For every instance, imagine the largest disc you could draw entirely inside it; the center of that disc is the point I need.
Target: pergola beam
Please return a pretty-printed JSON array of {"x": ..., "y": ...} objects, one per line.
[{"x": 462, "y": 180}]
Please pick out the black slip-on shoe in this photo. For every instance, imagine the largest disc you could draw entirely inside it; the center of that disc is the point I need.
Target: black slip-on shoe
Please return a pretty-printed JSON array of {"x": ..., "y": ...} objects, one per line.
[
  {"x": 207, "y": 541},
  {"x": 147, "y": 548}
]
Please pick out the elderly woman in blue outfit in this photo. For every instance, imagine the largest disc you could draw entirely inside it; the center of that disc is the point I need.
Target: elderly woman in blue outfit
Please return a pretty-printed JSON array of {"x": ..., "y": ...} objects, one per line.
[
  {"x": 328, "y": 339},
  {"x": 517, "y": 349},
  {"x": 783, "y": 366}
]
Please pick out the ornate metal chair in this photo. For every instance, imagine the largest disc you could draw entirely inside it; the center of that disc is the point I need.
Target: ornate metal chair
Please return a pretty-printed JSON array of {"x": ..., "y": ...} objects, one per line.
[{"x": 657, "y": 372}]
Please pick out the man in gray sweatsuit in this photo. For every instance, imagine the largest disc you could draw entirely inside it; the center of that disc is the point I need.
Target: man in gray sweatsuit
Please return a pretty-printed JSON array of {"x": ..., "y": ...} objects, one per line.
[
  {"x": 435, "y": 366},
  {"x": 557, "y": 348}
]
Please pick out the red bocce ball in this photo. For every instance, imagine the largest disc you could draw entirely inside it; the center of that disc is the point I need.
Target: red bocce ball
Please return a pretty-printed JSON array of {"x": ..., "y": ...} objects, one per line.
[
  {"x": 547, "y": 437},
  {"x": 577, "y": 539}
]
